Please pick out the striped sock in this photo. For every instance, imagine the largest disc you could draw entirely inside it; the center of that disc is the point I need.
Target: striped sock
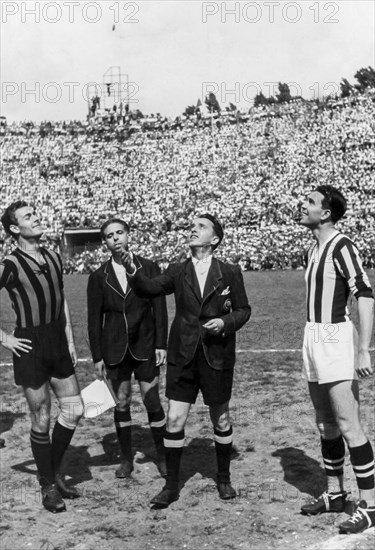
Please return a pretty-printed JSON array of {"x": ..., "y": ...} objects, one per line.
[
  {"x": 333, "y": 452},
  {"x": 174, "y": 444},
  {"x": 223, "y": 445},
  {"x": 362, "y": 459},
  {"x": 123, "y": 423},
  {"x": 41, "y": 449}
]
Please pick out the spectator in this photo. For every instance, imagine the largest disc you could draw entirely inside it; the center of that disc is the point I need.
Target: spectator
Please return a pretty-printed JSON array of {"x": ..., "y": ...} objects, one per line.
[{"x": 152, "y": 171}]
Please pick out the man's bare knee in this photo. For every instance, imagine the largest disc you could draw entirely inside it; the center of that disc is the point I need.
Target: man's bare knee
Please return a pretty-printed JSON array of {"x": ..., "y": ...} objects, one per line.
[
  {"x": 176, "y": 420},
  {"x": 175, "y": 423},
  {"x": 327, "y": 425},
  {"x": 124, "y": 402},
  {"x": 220, "y": 417},
  {"x": 351, "y": 432},
  {"x": 40, "y": 416},
  {"x": 177, "y": 415},
  {"x": 71, "y": 411},
  {"x": 222, "y": 424}
]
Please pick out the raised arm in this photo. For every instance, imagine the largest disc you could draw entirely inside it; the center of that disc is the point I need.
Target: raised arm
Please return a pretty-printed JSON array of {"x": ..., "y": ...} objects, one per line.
[
  {"x": 159, "y": 308},
  {"x": 143, "y": 285}
]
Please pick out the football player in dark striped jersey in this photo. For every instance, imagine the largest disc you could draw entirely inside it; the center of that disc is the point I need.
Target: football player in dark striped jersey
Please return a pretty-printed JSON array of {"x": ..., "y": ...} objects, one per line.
[{"x": 43, "y": 347}]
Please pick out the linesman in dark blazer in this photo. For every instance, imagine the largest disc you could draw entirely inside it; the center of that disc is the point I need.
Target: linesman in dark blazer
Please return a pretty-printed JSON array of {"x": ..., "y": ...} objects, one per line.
[
  {"x": 128, "y": 334},
  {"x": 211, "y": 305}
]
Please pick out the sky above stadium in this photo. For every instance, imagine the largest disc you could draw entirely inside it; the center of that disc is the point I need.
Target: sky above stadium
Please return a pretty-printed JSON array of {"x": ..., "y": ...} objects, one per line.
[{"x": 54, "y": 54}]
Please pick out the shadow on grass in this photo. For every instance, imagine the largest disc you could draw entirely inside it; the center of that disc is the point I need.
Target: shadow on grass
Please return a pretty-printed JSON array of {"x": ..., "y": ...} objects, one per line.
[
  {"x": 75, "y": 465},
  {"x": 198, "y": 457},
  {"x": 301, "y": 471},
  {"x": 78, "y": 462}
]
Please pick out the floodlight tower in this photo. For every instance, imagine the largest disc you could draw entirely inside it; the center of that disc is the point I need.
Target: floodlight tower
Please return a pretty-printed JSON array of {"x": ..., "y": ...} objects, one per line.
[{"x": 115, "y": 88}]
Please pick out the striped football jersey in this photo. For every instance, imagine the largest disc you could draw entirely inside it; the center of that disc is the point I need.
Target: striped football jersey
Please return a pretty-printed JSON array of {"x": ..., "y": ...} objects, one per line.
[
  {"x": 35, "y": 290},
  {"x": 334, "y": 273}
]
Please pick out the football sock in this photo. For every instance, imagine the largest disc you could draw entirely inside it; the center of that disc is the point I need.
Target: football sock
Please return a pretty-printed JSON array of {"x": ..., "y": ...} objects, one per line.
[
  {"x": 61, "y": 438},
  {"x": 333, "y": 452},
  {"x": 174, "y": 444},
  {"x": 362, "y": 459},
  {"x": 157, "y": 425},
  {"x": 123, "y": 425},
  {"x": 41, "y": 449},
  {"x": 223, "y": 445}
]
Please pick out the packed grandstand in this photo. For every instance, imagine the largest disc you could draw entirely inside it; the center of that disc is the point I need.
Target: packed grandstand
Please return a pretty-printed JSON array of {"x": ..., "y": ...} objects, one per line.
[{"x": 251, "y": 171}]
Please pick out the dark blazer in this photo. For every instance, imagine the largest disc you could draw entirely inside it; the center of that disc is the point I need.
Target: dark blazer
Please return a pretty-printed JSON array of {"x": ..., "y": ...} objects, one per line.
[
  {"x": 117, "y": 321},
  {"x": 224, "y": 296}
]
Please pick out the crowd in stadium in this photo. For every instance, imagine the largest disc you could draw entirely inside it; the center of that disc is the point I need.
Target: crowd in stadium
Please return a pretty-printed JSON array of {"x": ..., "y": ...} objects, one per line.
[{"x": 250, "y": 172}]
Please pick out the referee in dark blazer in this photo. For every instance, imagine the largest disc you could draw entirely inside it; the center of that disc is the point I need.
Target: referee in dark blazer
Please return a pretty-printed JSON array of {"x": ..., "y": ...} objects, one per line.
[
  {"x": 211, "y": 305},
  {"x": 128, "y": 333}
]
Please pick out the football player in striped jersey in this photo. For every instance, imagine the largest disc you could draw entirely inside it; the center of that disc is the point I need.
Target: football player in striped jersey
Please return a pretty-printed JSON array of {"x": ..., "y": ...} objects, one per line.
[
  {"x": 335, "y": 355},
  {"x": 43, "y": 348}
]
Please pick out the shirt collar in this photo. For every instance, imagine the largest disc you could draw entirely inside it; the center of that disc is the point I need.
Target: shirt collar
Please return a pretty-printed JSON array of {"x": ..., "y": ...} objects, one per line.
[
  {"x": 117, "y": 267},
  {"x": 206, "y": 261}
]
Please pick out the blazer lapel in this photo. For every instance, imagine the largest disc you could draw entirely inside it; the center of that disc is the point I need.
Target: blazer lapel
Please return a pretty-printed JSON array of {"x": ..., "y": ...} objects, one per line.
[
  {"x": 214, "y": 276},
  {"x": 111, "y": 279},
  {"x": 192, "y": 280}
]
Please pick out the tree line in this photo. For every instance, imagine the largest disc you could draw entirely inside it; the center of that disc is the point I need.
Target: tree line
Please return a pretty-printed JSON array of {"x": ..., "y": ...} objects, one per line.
[{"x": 365, "y": 78}]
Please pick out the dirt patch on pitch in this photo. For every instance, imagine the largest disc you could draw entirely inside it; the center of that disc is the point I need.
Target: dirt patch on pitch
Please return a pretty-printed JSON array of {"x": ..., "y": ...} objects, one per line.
[{"x": 275, "y": 467}]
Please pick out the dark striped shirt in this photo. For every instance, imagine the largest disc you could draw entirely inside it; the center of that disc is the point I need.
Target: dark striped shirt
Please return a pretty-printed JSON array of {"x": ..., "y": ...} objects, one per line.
[
  {"x": 334, "y": 273},
  {"x": 36, "y": 291}
]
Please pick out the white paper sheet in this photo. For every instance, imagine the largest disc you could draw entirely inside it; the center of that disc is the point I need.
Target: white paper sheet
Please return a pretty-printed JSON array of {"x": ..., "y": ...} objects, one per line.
[{"x": 97, "y": 398}]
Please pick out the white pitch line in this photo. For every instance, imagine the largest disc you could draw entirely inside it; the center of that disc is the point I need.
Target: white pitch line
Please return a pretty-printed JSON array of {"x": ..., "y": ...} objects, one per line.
[
  {"x": 266, "y": 350},
  {"x": 88, "y": 359},
  {"x": 275, "y": 350}
]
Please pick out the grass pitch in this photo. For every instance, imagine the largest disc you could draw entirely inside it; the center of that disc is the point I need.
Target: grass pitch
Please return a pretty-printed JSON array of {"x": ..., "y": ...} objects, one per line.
[{"x": 276, "y": 465}]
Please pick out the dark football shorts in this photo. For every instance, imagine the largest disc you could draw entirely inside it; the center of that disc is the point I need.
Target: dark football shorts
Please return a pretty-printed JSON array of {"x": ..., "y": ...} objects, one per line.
[
  {"x": 48, "y": 358},
  {"x": 144, "y": 371},
  {"x": 184, "y": 384}
]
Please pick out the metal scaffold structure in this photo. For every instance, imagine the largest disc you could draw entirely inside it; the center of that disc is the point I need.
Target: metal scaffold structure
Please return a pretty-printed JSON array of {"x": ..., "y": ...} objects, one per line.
[{"x": 113, "y": 92}]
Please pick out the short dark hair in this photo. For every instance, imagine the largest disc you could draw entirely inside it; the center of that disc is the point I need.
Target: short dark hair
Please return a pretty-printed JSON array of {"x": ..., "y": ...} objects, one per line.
[
  {"x": 9, "y": 216},
  {"x": 113, "y": 220},
  {"x": 218, "y": 228},
  {"x": 333, "y": 200}
]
